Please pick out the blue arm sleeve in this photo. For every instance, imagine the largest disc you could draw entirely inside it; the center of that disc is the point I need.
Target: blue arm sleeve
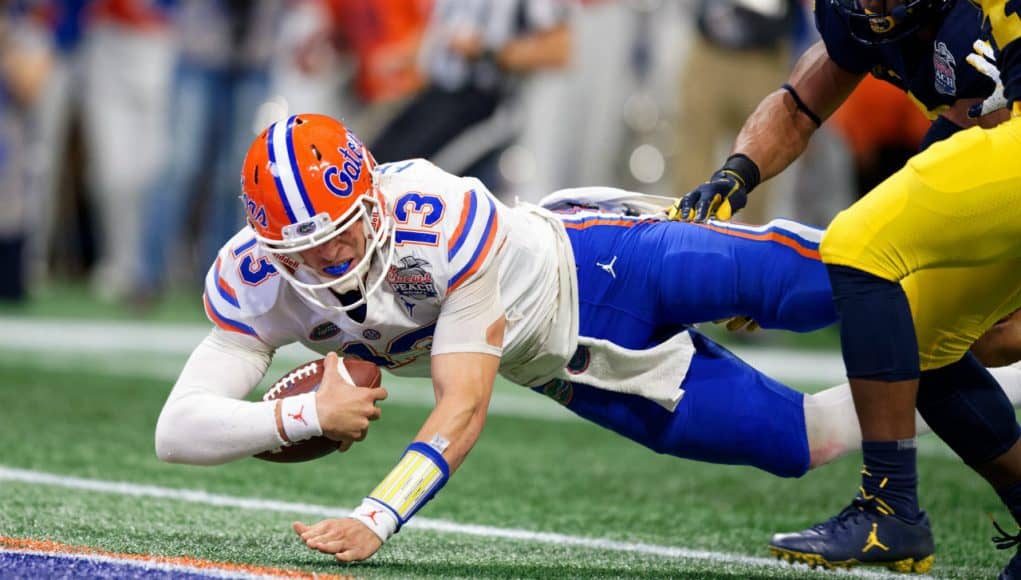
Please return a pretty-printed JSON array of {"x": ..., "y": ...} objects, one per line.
[
  {"x": 940, "y": 129},
  {"x": 848, "y": 53}
]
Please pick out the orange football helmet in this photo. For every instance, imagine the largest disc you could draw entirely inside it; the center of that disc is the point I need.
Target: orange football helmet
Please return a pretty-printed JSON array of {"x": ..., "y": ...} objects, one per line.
[{"x": 305, "y": 181}]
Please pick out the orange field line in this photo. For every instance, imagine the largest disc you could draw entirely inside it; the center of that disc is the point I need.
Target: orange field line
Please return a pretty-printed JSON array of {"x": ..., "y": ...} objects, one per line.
[{"x": 58, "y": 548}]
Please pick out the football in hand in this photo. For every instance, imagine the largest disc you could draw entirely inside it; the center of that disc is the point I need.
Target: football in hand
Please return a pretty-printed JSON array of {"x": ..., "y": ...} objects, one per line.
[{"x": 306, "y": 378}]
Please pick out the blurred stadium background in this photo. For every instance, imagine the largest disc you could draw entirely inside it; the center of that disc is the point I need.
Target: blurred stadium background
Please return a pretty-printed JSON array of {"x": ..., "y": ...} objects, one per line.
[{"x": 122, "y": 127}]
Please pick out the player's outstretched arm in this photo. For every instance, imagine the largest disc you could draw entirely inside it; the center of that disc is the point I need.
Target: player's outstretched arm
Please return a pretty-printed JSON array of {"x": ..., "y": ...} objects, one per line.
[
  {"x": 467, "y": 345},
  {"x": 464, "y": 384},
  {"x": 775, "y": 134}
]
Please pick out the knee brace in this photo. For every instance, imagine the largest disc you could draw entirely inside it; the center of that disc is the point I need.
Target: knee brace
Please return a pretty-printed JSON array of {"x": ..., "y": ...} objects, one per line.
[
  {"x": 967, "y": 409},
  {"x": 877, "y": 335}
]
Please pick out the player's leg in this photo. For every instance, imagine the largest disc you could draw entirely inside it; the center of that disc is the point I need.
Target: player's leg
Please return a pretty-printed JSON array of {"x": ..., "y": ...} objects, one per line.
[
  {"x": 832, "y": 425},
  {"x": 727, "y": 405},
  {"x": 967, "y": 408},
  {"x": 676, "y": 273},
  {"x": 830, "y": 417},
  {"x": 958, "y": 203},
  {"x": 967, "y": 411},
  {"x": 775, "y": 274},
  {"x": 891, "y": 234},
  {"x": 730, "y": 413}
]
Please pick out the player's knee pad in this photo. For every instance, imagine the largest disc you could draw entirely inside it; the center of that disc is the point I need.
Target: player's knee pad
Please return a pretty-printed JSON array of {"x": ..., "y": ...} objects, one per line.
[
  {"x": 966, "y": 408},
  {"x": 877, "y": 335}
]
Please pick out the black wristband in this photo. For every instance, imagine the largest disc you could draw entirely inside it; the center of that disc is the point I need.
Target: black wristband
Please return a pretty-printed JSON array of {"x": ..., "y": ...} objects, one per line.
[
  {"x": 802, "y": 106},
  {"x": 745, "y": 169}
]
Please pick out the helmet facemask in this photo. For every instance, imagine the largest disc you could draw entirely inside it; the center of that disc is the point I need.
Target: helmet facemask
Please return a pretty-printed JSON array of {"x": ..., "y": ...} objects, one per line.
[
  {"x": 366, "y": 276},
  {"x": 875, "y": 28}
]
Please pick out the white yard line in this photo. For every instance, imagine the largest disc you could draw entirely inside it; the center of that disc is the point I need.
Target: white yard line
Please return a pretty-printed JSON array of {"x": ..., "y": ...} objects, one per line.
[{"x": 429, "y": 524}]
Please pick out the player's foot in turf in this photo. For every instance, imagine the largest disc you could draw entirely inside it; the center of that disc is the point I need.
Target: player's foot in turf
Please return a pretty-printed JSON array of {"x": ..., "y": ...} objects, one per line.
[
  {"x": 860, "y": 534},
  {"x": 1006, "y": 541}
]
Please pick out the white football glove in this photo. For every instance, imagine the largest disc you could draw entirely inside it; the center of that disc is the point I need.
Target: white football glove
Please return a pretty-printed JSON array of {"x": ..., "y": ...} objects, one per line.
[{"x": 984, "y": 62}]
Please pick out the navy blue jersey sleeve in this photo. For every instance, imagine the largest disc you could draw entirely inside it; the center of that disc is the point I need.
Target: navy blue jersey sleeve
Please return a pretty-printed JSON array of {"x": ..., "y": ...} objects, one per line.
[
  {"x": 962, "y": 26},
  {"x": 848, "y": 53}
]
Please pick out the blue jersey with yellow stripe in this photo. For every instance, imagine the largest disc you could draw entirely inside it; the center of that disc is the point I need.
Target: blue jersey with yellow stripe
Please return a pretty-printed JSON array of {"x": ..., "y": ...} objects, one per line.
[{"x": 933, "y": 71}]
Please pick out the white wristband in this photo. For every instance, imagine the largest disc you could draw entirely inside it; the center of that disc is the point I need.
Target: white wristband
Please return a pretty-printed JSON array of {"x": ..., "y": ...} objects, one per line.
[
  {"x": 377, "y": 518},
  {"x": 299, "y": 417}
]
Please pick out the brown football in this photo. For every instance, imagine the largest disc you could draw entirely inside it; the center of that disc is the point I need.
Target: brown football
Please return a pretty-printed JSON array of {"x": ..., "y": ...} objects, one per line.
[{"x": 304, "y": 379}]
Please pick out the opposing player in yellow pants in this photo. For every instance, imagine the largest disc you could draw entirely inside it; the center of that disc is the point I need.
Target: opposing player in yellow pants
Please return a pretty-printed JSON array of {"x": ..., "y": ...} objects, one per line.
[{"x": 958, "y": 206}]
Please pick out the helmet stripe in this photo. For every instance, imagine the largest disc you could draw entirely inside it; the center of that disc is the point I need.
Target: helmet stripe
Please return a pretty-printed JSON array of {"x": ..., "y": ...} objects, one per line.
[
  {"x": 296, "y": 172},
  {"x": 282, "y": 156},
  {"x": 275, "y": 171}
]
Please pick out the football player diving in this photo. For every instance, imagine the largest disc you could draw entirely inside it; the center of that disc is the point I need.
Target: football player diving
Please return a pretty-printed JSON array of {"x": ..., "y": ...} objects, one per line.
[
  {"x": 953, "y": 211},
  {"x": 427, "y": 274}
]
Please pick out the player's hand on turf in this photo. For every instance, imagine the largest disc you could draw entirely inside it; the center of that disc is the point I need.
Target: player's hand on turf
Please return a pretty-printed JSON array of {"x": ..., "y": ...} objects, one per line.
[
  {"x": 719, "y": 198},
  {"x": 984, "y": 61},
  {"x": 347, "y": 539},
  {"x": 345, "y": 410}
]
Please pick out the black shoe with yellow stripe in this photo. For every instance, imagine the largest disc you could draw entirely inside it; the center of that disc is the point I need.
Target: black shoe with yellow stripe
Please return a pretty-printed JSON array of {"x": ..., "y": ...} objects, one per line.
[{"x": 860, "y": 535}]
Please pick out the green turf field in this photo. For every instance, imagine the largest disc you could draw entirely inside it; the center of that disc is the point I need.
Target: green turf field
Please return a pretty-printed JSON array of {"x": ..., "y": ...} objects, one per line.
[{"x": 542, "y": 495}]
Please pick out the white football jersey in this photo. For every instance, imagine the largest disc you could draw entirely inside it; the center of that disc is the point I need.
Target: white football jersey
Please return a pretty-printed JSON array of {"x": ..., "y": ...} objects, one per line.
[{"x": 461, "y": 259}]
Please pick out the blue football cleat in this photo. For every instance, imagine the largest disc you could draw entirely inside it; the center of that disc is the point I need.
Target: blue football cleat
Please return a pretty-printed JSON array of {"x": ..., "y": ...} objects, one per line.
[
  {"x": 1004, "y": 542},
  {"x": 860, "y": 534}
]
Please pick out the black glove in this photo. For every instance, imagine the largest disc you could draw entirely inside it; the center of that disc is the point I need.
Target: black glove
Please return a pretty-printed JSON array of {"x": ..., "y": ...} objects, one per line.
[{"x": 722, "y": 196}]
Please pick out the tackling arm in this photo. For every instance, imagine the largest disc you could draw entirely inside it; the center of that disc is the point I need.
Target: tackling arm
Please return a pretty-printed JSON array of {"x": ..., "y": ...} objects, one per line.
[
  {"x": 778, "y": 132},
  {"x": 775, "y": 134}
]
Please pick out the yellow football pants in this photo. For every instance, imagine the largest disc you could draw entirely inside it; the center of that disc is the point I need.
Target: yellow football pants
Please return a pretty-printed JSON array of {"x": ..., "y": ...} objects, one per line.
[{"x": 948, "y": 226}]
